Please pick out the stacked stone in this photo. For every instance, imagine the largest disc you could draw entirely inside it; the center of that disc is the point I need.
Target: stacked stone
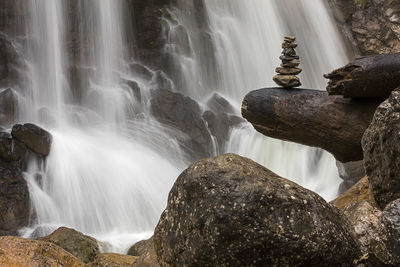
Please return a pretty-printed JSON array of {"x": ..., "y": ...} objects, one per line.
[{"x": 289, "y": 67}]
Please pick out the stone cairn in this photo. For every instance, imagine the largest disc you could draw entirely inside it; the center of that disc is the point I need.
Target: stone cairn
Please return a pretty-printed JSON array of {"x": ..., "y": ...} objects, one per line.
[{"x": 288, "y": 70}]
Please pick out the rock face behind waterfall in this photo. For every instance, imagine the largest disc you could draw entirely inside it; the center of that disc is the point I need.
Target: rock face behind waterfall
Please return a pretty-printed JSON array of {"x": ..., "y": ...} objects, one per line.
[
  {"x": 382, "y": 151},
  {"x": 14, "y": 195},
  {"x": 230, "y": 210}
]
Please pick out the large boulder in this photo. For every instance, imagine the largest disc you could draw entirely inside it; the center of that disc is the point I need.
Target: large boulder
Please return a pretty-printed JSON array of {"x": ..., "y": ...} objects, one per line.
[
  {"x": 231, "y": 211},
  {"x": 14, "y": 200},
  {"x": 34, "y": 137},
  {"x": 16, "y": 251},
  {"x": 382, "y": 151},
  {"x": 84, "y": 247}
]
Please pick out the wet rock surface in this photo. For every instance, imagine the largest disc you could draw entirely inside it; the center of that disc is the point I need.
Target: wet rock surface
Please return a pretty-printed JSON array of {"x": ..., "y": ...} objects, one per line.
[
  {"x": 34, "y": 137},
  {"x": 184, "y": 114},
  {"x": 83, "y": 247},
  {"x": 16, "y": 251},
  {"x": 14, "y": 200},
  {"x": 382, "y": 151},
  {"x": 231, "y": 210}
]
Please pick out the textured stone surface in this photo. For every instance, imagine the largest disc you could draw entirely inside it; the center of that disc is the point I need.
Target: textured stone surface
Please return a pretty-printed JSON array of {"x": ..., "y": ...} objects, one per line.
[
  {"x": 34, "y": 137},
  {"x": 372, "y": 26},
  {"x": 287, "y": 80},
  {"x": 185, "y": 115},
  {"x": 146, "y": 253},
  {"x": 231, "y": 211},
  {"x": 84, "y": 247},
  {"x": 12, "y": 152},
  {"x": 361, "y": 191},
  {"x": 14, "y": 200},
  {"x": 16, "y": 251},
  {"x": 312, "y": 118},
  {"x": 8, "y": 107},
  {"x": 382, "y": 151},
  {"x": 112, "y": 260}
]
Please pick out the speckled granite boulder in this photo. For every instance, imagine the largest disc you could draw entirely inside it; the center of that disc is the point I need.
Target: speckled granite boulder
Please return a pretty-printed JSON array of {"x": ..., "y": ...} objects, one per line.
[
  {"x": 230, "y": 211},
  {"x": 381, "y": 148}
]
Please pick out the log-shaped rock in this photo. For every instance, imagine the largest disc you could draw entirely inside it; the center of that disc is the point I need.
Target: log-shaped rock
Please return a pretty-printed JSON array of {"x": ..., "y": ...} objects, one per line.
[
  {"x": 367, "y": 77},
  {"x": 312, "y": 118}
]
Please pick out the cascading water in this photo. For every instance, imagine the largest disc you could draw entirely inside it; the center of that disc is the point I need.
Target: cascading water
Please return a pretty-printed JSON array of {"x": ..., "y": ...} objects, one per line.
[
  {"x": 247, "y": 37},
  {"x": 112, "y": 164},
  {"x": 105, "y": 176}
]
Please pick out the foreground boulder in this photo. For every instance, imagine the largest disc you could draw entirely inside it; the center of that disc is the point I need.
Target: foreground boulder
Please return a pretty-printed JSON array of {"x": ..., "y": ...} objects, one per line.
[
  {"x": 368, "y": 77},
  {"x": 14, "y": 201},
  {"x": 312, "y": 118},
  {"x": 84, "y": 247},
  {"x": 231, "y": 211},
  {"x": 382, "y": 151},
  {"x": 34, "y": 137},
  {"x": 16, "y": 251}
]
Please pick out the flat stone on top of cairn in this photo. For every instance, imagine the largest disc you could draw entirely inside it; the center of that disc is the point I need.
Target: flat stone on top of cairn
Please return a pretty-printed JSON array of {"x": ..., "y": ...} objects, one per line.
[{"x": 289, "y": 67}]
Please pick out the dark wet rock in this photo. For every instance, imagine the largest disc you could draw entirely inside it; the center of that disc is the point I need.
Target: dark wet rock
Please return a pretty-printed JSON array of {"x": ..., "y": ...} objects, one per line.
[
  {"x": 367, "y": 77},
  {"x": 141, "y": 71},
  {"x": 382, "y": 151},
  {"x": 184, "y": 114},
  {"x": 34, "y": 137},
  {"x": 14, "y": 200},
  {"x": 8, "y": 107},
  {"x": 112, "y": 260},
  {"x": 351, "y": 171},
  {"x": 146, "y": 253},
  {"x": 12, "y": 152},
  {"x": 218, "y": 103},
  {"x": 231, "y": 211},
  {"x": 311, "y": 117},
  {"x": 17, "y": 251},
  {"x": 83, "y": 247}
]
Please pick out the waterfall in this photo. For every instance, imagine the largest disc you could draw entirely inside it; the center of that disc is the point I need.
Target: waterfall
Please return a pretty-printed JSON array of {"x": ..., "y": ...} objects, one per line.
[
  {"x": 112, "y": 163},
  {"x": 246, "y": 37}
]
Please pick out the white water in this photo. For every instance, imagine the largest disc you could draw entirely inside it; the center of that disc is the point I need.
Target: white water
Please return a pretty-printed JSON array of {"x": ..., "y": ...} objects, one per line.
[
  {"x": 247, "y": 37},
  {"x": 108, "y": 174}
]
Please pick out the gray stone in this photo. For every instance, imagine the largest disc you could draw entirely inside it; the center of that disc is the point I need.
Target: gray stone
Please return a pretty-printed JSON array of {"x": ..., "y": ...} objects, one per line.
[
  {"x": 34, "y": 137},
  {"x": 288, "y": 71}
]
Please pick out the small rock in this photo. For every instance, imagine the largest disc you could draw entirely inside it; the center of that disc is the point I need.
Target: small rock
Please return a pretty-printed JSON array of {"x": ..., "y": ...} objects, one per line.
[
  {"x": 287, "y": 80},
  {"x": 112, "y": 260},
  {"x": 84, "y": 247},
  {"x": 34, "y": 137},
  {"x": 146, "y": 253},
  {"x": 288, "y": 71}
]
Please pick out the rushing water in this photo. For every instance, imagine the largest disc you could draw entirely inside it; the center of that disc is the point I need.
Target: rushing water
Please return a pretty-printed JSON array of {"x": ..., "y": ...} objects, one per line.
[{"x": 112, "y": 164}]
